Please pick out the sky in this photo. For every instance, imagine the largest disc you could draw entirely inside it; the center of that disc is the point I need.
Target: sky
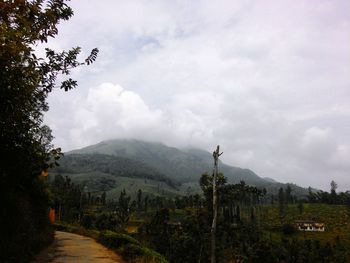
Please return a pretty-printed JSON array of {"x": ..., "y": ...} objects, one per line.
[{"x": 269, "y": 81}]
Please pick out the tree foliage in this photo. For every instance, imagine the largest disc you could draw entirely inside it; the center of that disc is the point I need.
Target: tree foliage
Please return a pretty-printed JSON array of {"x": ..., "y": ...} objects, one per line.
[
  {"x": 25, "y": 142},
  {"x": 341, "y": 198},
  {"x": 281, "y": 202},
  {"x": 113, "y": 165}
]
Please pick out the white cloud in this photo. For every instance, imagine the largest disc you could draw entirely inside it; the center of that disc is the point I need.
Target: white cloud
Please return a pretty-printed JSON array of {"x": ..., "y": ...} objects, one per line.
[
  {"x": 268, "y": 80},
  {"x": 340, "y": 160}
]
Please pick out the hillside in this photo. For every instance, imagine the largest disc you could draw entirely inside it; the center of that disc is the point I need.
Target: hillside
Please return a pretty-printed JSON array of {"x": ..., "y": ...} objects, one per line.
[
  {"x": 108, "y": 164},
  {"x": 160, "y": 164},
  {"x": 183, "y": 166}
]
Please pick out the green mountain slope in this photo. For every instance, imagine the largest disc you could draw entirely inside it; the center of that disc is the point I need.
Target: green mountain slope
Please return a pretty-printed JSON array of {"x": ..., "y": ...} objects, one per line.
[
  {"x": 177, "y": 169},
  {"x": 183, "y": 166},
  {"x": 113, "y": 166}
]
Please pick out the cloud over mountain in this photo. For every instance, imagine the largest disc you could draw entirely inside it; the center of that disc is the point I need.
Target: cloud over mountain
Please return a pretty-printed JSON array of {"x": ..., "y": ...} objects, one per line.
[{"x": 268, "y": 81}]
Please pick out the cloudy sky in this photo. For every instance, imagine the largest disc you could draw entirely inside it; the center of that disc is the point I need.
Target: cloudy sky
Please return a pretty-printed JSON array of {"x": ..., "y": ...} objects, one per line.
[{"x": 267, "y": 80}]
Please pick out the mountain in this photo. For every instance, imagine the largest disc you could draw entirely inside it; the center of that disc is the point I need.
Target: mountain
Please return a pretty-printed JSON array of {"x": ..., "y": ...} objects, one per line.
[
  {"x": 268, "y": 179},
  {"x": 180, "y": 165},
  {"x": 161, "y": 169},
  {"x": 112, "y": 165}
]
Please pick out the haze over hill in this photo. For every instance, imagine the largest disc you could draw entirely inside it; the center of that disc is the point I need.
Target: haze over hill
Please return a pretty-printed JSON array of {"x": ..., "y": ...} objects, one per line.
[
  {"x": 114, "y": 164},
  {"x": 268, "y": 81}
]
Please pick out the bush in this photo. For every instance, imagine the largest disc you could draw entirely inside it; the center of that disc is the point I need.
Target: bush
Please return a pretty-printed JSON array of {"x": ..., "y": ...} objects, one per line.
[
  {"x": 88, "y": 221},
  {"x": 116, "y": 240},
  {"x": 75, "y": 228},
  {"x": 129, "y": 248},
  {"x": 288, "y": 229},
  {"x": 136, "y": 253}
]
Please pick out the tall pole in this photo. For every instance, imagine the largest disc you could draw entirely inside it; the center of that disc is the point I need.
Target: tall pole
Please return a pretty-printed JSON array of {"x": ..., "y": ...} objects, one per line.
[{"x": 216, "y": 155}]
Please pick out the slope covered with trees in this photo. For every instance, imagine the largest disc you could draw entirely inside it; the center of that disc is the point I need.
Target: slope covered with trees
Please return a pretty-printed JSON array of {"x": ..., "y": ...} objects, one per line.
[
  {"x": 108, "y": 164},
  {"x": 182, "y": 167}
]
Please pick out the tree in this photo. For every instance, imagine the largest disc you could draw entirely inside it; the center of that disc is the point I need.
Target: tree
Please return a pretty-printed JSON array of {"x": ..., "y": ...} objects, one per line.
[
  {"x": 206, "y": 184},
  {"x": 281, "y": 202},
  {"x": 25, "y": 142},
  {"x": 333, "y": 196},
  {"x": 301, "y": 207},
  {"x": 158, "y": 232},
  {"x": 67, "y": 198},
  {"x": 123, "y": 208},
  {"x": 288, "y": 194},
  {"x": 334, "y": 186},
  {"x": 139, "y": 199},
  {"x": 103, "y": 198},
  {"x": 146, "y": 203},
  {"x": 311, "y": 195}
]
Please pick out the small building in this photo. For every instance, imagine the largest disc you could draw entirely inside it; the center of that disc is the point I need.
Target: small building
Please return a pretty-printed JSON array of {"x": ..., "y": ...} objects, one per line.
[{"x": 309, "y": 225}]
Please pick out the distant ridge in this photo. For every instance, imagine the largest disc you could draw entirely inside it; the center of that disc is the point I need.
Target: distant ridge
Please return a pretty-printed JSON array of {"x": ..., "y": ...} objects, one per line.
[
  {"x": 136, "y": 161},
  {"x": 270, "y": 180},
  {"x": 180, "y": 165}
]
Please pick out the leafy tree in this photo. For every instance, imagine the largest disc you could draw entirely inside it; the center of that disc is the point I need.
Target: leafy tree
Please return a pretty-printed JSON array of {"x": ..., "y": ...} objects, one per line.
[
  {"x": 288, "y": 194},
  {"x": 25, "y": 142},
  {"x": 206, "y": 184},
  {"x": 311, "y": 196},
  {"x": 301, "y": 207},
  {"x": 190, "y": 244},
  {"x": 87, "y": 220},
  {"x": 123, "y": 208},
  {"x": 158, "y": 232},
  {"x": 66, "y": 198},
  {"x": 146, "y": 203},
  {"x": 333, "y": 196},
  {"x": 103, "y": 198},
  {"x": 281, "y": 202},
  {"x": 106, "y": 221},
  {"x": 334, "y": 186},
  {"x": 139, "y": 199},
  {"x": 288, "y": 229}
]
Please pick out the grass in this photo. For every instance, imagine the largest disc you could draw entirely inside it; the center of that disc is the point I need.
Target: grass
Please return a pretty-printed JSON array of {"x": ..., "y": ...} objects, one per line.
[
  {"x": 335, "y": 217},
  {"x": 94, "y": 181}
]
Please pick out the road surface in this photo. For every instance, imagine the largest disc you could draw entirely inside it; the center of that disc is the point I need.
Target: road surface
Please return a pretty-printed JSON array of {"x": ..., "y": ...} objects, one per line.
[{"x": 69, "y": 248}]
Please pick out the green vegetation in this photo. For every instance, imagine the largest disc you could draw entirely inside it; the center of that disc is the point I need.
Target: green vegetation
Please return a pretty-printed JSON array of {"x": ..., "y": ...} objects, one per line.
[
  {"x": 25, "y": 142},
  {"x": 109, "y": 165},
  {"x": 335, "y": 217},
  {"x": 250, "y": 228},
  {"x": 115, "y": 165},
  {"x": 141, "y": 199},
  {"x": 180, "y": 166},
  {"x": 129, "y": 248}
]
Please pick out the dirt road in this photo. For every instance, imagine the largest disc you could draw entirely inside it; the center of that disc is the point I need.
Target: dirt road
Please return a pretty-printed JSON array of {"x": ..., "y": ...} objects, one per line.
[{"x": 69, "y": 248}]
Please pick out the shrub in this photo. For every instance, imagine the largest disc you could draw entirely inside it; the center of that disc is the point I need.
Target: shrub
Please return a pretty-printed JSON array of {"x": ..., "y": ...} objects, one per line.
[
  {"x": 116, "y": 240},
  {"x": 88, "y": 220},
  {"x": 136, "y": 253},
  {"x": 129, "y": 248},
  {"x": 288, "y": 229}
]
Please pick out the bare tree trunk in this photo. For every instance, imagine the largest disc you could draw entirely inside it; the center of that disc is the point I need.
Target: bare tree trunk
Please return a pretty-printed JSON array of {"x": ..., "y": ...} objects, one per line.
[
  {"x": 200, "y": 253},
  {"x": 216, "y": 155}
]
